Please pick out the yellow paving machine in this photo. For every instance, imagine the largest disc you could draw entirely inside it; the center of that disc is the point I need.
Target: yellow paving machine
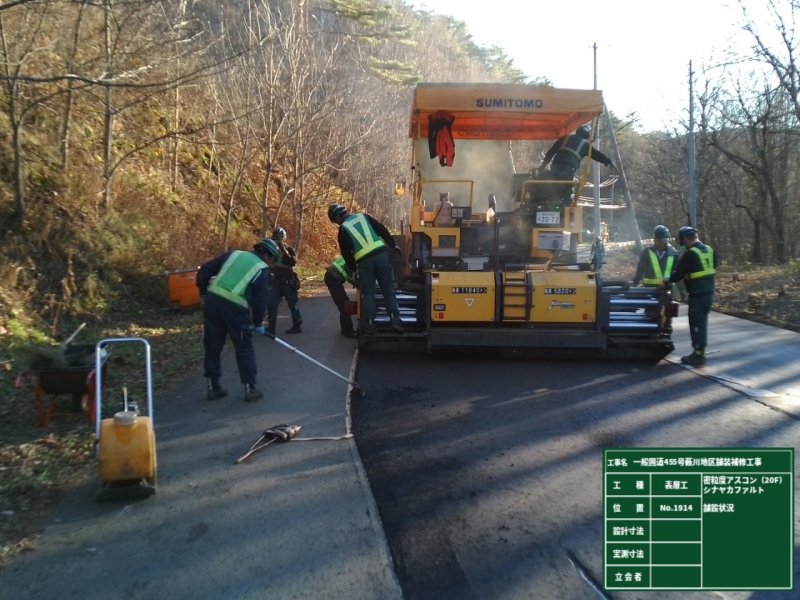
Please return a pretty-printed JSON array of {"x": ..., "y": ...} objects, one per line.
[{"x": 491, "y": 255}]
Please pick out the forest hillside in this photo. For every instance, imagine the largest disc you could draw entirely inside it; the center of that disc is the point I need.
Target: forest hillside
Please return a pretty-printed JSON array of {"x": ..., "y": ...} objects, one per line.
[{"x": 139, "y": 137}]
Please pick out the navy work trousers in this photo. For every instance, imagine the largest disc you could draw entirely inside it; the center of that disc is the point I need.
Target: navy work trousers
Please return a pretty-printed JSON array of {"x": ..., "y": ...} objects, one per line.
[
  {"x": 377, "y": 267},
  {"x": 279, "y": 289},
  {"x": 699, "y": 307},
  {"x": 221, "y": 319}
]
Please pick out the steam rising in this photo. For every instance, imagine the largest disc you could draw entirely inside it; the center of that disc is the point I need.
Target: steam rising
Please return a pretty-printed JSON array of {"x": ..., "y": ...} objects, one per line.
[{"x": 487, "y": 162}]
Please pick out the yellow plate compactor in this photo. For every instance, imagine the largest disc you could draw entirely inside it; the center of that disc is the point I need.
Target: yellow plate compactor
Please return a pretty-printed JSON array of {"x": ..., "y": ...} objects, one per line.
[{"x": 126, "y": 442}]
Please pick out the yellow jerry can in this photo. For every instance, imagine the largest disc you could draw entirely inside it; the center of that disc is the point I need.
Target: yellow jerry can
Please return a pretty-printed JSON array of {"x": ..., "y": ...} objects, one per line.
[{"x": 127, "y": 448}]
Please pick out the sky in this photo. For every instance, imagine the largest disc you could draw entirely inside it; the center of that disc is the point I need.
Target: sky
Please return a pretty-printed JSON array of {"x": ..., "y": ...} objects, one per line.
[{"x": 643, "y": 47}]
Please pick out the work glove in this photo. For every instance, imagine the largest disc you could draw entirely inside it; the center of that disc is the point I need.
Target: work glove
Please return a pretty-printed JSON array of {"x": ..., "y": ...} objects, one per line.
[{"x": 260, "y": 330}]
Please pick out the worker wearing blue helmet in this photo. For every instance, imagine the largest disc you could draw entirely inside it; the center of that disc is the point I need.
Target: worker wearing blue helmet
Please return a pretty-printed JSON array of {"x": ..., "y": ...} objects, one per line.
[
  {"x": 284, "y": 283},
  {"x": 656, "y": 262},
  {"x": 363, "y": 241},
  {"x": 697, "y": 268},
  {"x": 566, "y": 154},
  {"x": 234, "y": 287},
  {"x": 563, "y": 158}
]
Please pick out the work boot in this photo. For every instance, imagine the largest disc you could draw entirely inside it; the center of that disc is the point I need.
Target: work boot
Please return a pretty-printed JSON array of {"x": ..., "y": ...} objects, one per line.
[
  {"x": 695, "y": 359},
  {"x": 350, "y": 334},
  {"x": 396, "y": 324},
  {"x": 252, "y": 393},
  {"x": 369, "y": 328},
  {"x": 215, "y": 390},
  {"x": 295, "y": 328}
]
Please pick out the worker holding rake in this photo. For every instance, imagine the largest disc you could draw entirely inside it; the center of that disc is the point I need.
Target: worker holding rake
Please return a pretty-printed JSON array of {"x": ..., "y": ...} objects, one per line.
[{"x": 234, "y": 288}]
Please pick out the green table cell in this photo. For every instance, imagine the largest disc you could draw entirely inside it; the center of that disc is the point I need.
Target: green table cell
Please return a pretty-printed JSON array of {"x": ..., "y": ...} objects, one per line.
[
  {"x": 677, "y": 484},
  {"x": 627, "y": 530},
  {"x": 750, "y": 544},
  {"x": 627, "y": 554},
  {"x": 676, "y": 577},
  {"x": 631, "y": 508},
  {"x": 677, "y": 553},
  {"x": 620, "y": 578},
  {"x": 706, "y": 460},
  {"x": 677, "y": 530},
  {"x": 676, "y": 507},
  {"x": 618, "y": 484}
]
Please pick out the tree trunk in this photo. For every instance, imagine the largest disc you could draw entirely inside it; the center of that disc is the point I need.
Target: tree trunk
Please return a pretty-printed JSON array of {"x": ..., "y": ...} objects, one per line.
[
  {"x": 19, "y": 175},
  {"x": 108, "y": 124},
  {"x": 66, "y": 124}
]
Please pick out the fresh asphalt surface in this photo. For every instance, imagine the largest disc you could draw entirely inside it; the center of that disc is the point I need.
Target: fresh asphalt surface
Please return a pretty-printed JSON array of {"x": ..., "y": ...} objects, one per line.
[{"x": 486, "y": 473}]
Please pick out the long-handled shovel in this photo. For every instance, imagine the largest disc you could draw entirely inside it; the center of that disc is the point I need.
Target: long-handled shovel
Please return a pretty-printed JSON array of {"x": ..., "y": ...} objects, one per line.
[{"x": 356, "y": 386}]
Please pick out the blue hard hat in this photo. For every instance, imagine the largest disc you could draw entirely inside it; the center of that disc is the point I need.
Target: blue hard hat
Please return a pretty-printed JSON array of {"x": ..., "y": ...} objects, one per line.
[
  {"x": 335, "y": 211},
  {"x": 269, "y": 247},
  {"x": 685, "y": 231},
  {"x": 661, "y": 233}
]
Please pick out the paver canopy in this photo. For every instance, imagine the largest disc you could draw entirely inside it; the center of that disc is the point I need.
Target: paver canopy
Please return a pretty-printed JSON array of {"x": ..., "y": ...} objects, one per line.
[{"x": 493, "y": 111}]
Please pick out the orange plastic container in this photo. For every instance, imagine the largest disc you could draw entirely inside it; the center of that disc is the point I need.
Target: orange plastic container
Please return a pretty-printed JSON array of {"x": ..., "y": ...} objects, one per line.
[{"x": 182, "y": 286}]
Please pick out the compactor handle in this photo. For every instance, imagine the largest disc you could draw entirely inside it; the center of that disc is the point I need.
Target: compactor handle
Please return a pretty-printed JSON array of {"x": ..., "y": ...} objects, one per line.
[{"x": 98, "y": 360}]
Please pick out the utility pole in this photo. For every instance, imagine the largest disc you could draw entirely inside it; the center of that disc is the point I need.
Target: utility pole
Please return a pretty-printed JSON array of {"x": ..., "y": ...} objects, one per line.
[{"x": 691, "y": 150}]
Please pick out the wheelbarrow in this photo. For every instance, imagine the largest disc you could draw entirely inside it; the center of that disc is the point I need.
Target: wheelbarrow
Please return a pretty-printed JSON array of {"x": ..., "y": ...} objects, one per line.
[{"x": 77, "y": 381}]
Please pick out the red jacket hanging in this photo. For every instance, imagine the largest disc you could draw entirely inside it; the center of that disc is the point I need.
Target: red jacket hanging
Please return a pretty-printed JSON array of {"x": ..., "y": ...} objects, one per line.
[{"x": 440, "y": 137}]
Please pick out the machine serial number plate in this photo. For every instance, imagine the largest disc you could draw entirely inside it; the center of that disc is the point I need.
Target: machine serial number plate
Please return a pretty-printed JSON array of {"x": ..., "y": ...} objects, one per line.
[
  {"x": 560, "y": 291},
  {"x": 548, "y": 218},
  {"x": 469, "y": 290}
]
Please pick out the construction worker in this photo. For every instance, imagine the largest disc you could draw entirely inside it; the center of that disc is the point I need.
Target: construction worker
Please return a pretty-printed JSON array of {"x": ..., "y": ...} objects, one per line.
[
  {"x": 234, "y": 287},
  {"x": 336, "y": 274},
  {"x": 656, "y": 262},
  {"x": 285, "y": 284},
  {"x": 564, "y": 158},
  {"x": 697, "y": 267},
  {"x": 363, "y": 242}
]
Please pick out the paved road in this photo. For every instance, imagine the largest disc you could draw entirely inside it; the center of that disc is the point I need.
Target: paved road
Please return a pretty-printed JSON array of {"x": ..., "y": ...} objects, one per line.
[
  {"x": 488, "y": 473},
  {"x": 296, "y": 520}
]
